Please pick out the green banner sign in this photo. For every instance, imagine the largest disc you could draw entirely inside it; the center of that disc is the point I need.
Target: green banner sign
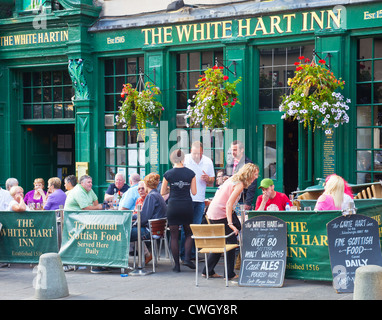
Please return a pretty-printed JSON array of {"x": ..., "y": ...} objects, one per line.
[
  {"x": 307, "y": 246},
  {"x": 96, "y": 238},
  {"x": 27, "y": 235}
]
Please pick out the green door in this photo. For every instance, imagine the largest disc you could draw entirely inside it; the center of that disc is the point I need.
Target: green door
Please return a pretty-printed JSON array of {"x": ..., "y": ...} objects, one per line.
[
  {"x": 306, "y": 158},
  {"x": 270, "y": 152},
  {"x": 39, "y": 155},
  {"x": 49, "y": 152}
]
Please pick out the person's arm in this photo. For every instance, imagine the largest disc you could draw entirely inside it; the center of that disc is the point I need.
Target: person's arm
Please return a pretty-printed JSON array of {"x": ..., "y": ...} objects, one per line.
[
  {"x": 193, "y": 186},
  {"x": 163, "y": 189},
  {"x": 237, "y": 190},
  {"x": 264, "y": 201},
  {"x": 95, "y": 206},
  {"x": 21, "y": 206},
  {"x": 250, "y": 195}
]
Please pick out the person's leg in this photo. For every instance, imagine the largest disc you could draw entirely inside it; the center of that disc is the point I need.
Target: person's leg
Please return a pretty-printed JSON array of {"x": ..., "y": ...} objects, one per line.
[
  {"x": 174, "y": 244},
  {"x": 188, "y": 246}
]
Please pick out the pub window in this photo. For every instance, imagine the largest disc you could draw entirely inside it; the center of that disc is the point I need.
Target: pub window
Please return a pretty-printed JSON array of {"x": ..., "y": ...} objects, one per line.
[
  {"x": 189, "y": 67},
  {"x": 124, "y": 150},
  {"x": 369, "y": 110},
  {"x": 47, "y": 95},
  {"x": 276, "y": 66}
]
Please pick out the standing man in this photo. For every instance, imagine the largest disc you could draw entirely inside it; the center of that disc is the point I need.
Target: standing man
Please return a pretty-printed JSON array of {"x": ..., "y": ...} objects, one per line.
[
  {"x": 270, "y": 200},
  {"x": 82, "y": 197},
  {"x": 205, "y": 175},
  {"x": 238, "y": 161}
]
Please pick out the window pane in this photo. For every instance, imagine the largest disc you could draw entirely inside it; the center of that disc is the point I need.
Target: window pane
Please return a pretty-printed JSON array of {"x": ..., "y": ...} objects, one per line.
[
  {"x": 27, "y": 111},
  {"x": 365, "y": 48},
  {"x": 364, "y": 93},
  {"x": 270, "y": 147},
  {"x": 58, "y": 110},
  {"x": 364, "y": 116},
  {"x": 37, "y": 111},
  {"x": 378, "y": 92},
  {"x": 377, "y": 48},
  {"x": 194, "y": 61},
  {"x": 48, "y": 111},
  {"x": 68, "y": 111},
  {"x": 182, "y": 62},
  {"x": 363, "y": 138},
  {"x": 378, "y": 70},
  {"x": 363, "y": 71}
]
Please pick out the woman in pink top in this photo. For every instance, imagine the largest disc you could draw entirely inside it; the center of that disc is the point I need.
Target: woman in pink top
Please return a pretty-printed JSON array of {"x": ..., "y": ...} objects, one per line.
[
  {"x": 333, "y": 195},
  {"x": 220, "y": 211}
]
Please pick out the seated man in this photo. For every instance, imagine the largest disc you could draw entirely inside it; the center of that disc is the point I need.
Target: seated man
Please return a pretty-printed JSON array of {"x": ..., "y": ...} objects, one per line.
[
  {"x": 131, "y": 196},
  {"x": 82, "y": 197},
  {"x": 270, "y": 200},
  {"x": 119, "y": 186}
]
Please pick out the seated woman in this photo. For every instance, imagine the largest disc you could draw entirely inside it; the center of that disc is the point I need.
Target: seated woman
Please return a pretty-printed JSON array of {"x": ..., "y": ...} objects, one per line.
[
  {"x": 36, "y": 196},
  {"x": 56, "y": 196},
  {"x": 142, "y": 195},
  {"x": 333, "y": 196},
  {"x": 153, "y": 207},
  {"x": 17, "y": 204}
]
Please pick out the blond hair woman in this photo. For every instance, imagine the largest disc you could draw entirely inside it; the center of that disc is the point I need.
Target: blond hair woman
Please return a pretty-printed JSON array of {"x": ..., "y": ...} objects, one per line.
[
  {"x": 333, "y": 195},
  {"x": 221, "y": 208}
]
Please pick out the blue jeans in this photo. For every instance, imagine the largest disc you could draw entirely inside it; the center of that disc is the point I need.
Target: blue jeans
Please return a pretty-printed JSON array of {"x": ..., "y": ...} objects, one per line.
[
  {"x": 145, "y": 234},
  {"x": 198, "y": 216}
]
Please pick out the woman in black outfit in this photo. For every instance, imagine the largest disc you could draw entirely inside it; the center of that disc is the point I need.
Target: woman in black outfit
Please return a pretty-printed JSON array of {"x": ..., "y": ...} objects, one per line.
[{"x": 180, "y": 209}]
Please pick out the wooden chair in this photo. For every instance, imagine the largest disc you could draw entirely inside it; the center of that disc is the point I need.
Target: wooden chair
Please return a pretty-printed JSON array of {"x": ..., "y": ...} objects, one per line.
[
  {"x": 211, "y": 238},
  {"x": 158, "y": 230}
]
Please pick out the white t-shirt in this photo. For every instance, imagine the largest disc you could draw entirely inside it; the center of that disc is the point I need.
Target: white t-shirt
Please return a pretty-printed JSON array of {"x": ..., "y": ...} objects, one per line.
[
  {"x": 205, "y": 165},
  {"x": 5, "y": 199}
]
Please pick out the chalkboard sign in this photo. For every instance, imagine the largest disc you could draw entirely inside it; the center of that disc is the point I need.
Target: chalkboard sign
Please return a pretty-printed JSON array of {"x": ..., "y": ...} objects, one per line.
[
  {"x": 353, "y": 242},
  {"x": 264, "y": 249}
]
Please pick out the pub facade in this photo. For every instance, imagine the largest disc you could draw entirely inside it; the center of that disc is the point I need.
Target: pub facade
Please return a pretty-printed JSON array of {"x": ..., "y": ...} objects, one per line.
[{"x": 63, "y": 64}]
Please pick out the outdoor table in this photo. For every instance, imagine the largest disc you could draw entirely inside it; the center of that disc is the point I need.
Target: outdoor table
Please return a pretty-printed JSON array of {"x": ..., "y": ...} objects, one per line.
[{"x": 307, "y": 242}]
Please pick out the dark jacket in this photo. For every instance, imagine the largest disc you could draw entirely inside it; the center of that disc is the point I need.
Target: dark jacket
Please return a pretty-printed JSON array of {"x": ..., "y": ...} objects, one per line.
[
  {"x": 153, "y": 207},
  {"x": 248, "y": 194}
]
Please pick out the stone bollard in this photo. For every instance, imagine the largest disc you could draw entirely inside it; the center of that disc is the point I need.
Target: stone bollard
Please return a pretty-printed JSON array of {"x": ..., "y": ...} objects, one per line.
[
  {"x": 50, "y": 282},
  {"x": 368, "y": 283}
]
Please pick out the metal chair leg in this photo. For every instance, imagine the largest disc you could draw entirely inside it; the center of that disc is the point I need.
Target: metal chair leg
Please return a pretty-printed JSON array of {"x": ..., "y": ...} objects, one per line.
[
  {"x": 225, "y": 268},
  {"x": 197, "y": 267}
]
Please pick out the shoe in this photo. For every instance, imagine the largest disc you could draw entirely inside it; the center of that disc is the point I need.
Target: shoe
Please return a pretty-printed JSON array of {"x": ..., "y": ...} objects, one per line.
[
  {"x": 189, "y": 264},
  {"x": 215, "y": 275},
  {"x": 234, "y": 277},
  {"x": 99, "y": 270},
  {"x": 148, "y": 258},
  {"x": 176, "y": 269}
]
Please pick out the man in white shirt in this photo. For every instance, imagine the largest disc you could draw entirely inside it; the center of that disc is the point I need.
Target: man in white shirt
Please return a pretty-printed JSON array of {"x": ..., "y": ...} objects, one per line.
[
  {"x": 205, "y": 175},
  {"x": 5, "y": 197}
]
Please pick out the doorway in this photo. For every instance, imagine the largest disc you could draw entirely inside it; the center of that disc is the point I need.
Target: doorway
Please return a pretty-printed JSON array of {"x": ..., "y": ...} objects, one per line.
[
  {"x": 49, "y": 152},
  {"x": 291, "y": 165}
]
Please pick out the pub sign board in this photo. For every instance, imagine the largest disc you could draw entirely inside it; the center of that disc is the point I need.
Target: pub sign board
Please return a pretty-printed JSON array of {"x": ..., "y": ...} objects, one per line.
[
  {"x": 353, "y": 242},
  {"x": 264, "y": 251}
]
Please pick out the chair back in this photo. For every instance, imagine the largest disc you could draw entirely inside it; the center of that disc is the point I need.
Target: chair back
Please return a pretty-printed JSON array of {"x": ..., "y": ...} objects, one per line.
[
  {"x": 158, "y": 227},
  {"x": 208, "y": 235}
]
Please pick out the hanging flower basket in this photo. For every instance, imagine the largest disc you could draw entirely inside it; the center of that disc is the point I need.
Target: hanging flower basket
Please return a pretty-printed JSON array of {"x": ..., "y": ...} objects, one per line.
[
  {"x": 313, "y": 100},
  {"x": 213, "y": 100},
  {"x": 141, "y": 104}
]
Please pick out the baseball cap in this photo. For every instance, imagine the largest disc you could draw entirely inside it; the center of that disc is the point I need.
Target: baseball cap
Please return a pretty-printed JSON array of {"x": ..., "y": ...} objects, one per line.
[{"x": 266, "y": 183}]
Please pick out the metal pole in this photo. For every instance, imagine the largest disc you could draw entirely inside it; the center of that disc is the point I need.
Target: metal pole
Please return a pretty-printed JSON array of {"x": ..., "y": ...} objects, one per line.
[{"x": 140, "y": 271}]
